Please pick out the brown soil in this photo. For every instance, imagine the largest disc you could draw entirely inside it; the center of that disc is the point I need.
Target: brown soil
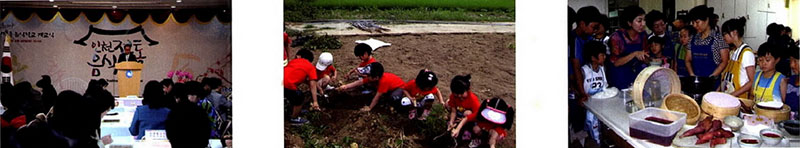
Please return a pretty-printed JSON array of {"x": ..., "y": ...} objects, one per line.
[{"x": 490, "y": 58}]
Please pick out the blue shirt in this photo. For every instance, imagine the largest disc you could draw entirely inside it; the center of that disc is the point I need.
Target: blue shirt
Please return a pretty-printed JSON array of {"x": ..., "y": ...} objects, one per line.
[
  {"x": 764, "y": 82},
  {"x": 147, "y": 118}
]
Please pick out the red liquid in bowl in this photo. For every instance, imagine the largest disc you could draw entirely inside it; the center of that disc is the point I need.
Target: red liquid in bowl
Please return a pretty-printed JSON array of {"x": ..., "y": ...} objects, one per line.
[
  {"x": 659, "y": 120},
  {"x": 772, "y": 135},
  {"x": 750, "y": 141}
]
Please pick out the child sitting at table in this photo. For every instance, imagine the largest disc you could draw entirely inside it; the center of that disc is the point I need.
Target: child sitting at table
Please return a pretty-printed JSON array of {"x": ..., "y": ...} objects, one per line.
[
  {"x": 462, "y": 103},
  {"x": 490, "y": 123},
  {"x": 422, "y": 91},
  {"x": 769, "y": 85},
  {"x": 657, "y": 52},
  {"x": 594, "y": 82},
  {"x": 386, "y": 82}
]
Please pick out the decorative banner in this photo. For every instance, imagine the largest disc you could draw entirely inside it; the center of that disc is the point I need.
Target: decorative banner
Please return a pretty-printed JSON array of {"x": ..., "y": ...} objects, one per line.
[{"x": 74, "y": 52}]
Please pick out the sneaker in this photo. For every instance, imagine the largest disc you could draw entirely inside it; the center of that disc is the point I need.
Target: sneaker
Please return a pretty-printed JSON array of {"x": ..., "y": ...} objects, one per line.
[
  {"x": 425, "y": 114},
  {"x": 475, "y": 143},
  {"x": 329, "y": 87},
  {"x": 412, "y": 113},
  {"x": 298, "y": 121}
]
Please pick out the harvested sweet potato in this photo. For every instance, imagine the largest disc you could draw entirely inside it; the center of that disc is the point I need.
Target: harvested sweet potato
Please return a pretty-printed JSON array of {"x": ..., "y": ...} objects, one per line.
[
  {"x": 727, "y": 134},
  {"x": 718, "y": 141},
  {"x": 694, "y": 131},
  {"x": 708, "y": 136},
  {"x": 716, "y": 125}
]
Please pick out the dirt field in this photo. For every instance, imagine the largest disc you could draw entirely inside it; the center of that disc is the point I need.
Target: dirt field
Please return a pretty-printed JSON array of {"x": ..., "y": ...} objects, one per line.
[{"x": 490, "y": 58}]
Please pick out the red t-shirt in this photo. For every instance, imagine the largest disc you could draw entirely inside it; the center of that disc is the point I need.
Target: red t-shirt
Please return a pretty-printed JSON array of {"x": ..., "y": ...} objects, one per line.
[
  {"x": 469, "y": 103},
  {"x": 416, "y": 92},
  {"x": 371, "y": 60},
  {"x": 486, "y": 125},
  {"x": 328, "y": 71},
  {"x": 286, "y": 43},
  {"x": 17, "y": 122},
  {"x": 388, "y": 82},
  {"x": 298, "y": 71}
]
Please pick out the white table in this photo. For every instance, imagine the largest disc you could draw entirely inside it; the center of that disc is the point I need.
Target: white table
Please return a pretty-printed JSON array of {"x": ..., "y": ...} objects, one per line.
[
  {"x": 612, "y": 113},
  {"x": 128, "y": 141}
]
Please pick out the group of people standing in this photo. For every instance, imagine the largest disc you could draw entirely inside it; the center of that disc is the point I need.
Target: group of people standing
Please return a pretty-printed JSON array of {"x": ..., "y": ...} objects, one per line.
[{"x": 696, "y": 46}]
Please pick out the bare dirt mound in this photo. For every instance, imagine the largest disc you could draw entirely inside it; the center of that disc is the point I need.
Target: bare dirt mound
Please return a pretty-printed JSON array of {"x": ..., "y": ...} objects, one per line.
[{"x": 490, "y": 58}]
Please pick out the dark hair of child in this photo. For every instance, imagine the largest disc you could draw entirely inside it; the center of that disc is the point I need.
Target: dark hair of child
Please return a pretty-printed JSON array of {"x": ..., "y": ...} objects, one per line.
[
  {"x": 426, "y": 79},
  {"x": 460, "y": 84},
  {"x": 375, "y": 69},
  {"x": 768, "y": 48},
  {"x": 652, "y": 17},
  {"x": 588, "y": 14},
  {"x": 736, "y": 24},
  {"x": 362, "y": 48},
  {"x": 592, "y": 49},
  {"x": 629, "y": 15},
  {"x": 306, "y": 54},
  {"x": 774, "y": 29}
]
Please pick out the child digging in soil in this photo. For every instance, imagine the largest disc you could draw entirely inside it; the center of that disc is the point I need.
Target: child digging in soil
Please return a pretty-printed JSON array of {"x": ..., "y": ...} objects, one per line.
[
  {"x": 770, "y": 85},
  {"x": 325, "y": 72},
  {"x": 490, "y": 123},
  {"x": 422, "y": 91},
  {"x": 296, "y": 72},
  {"x": 363, "y": 52},
  {"x": 462, "y": 103},
  {"x": 386, "y": 83}
]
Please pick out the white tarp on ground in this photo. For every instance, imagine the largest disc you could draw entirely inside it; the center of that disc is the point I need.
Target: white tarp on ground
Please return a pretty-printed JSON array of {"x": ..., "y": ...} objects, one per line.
[{"x": 72, "y": 55}]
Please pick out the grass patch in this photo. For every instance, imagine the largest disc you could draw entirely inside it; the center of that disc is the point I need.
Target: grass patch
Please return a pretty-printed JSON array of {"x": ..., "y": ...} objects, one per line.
[
  {"x": 467, "y": 4},
  {"x": 323, "y": 42},
  {"x": 440, "y": 10}
]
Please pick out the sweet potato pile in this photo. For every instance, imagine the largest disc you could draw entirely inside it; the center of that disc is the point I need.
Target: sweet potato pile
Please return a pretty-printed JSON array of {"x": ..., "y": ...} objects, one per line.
[{"x": 709, "y": 130}]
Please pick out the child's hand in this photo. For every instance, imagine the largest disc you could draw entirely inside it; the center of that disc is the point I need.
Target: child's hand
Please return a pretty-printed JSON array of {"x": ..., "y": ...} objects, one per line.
[
  {"x": 366, "y": 109},
  {"x": 315, "y": 106},
  {"x": 106, "y": 139},
  {"x": 454, "y": 133},
  {"x": 341, "y": 88}
]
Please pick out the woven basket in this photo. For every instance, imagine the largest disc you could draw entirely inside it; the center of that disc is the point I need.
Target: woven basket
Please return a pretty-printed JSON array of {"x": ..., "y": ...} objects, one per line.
[
  {"x": 719, "y": 112},
  {"x": 683, "y": 103},
  {"x": 747, "y": 102},
  {"x": 641, "y": 79},
  {"x": 775, "y": 115}
]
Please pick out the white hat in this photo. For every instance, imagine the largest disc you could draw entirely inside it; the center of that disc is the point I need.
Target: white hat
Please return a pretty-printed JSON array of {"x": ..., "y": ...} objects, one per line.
[
  {"x": 494, "y": 115},
  {"x": 325, "y": 59},
  {"x": 405, "y": 101}
]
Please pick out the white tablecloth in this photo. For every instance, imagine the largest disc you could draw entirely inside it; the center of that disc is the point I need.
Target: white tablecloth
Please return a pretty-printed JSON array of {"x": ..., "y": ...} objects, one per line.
[
  {"x": 128, "y": 141},
  {"x": 612, "y": 113}
]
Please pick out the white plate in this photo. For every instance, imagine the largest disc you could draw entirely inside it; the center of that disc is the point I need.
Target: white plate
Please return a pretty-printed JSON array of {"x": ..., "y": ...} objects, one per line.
[
  {"x": 606, "y": 93},
  {"x": 689, "y": 141}
]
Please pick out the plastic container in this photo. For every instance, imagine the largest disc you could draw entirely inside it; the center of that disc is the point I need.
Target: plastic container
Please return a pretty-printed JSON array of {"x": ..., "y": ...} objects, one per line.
[{"x": 656, "y": 132}]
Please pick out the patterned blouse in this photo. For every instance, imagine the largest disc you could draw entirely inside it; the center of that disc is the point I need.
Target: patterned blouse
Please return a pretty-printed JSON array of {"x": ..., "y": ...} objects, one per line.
[{"x": 717, "y": 41}]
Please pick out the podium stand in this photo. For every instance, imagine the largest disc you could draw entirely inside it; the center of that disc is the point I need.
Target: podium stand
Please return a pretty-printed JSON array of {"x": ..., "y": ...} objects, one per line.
[{"x": 129, "y": 76}]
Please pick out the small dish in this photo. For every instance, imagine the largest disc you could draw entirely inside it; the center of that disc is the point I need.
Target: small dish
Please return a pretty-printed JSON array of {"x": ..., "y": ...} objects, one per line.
[
  {"x": 749, "y": 141},
  {"x": 771, "y": 136},
  {"x": 735, "y": 123}
]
